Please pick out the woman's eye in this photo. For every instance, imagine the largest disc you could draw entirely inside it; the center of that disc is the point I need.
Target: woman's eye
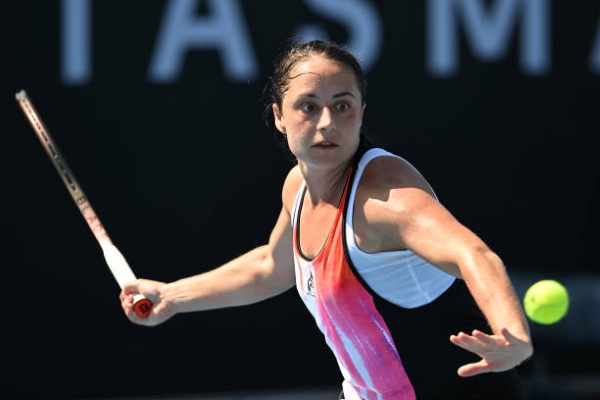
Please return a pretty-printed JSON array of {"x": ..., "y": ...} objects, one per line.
[
  {"x": 343, "y": 106},
  {"x": 307, "y": 107}
]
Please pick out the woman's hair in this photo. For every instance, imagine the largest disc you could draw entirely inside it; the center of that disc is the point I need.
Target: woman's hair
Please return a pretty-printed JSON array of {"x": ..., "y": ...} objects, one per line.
[{"x": 291, "y": 55}]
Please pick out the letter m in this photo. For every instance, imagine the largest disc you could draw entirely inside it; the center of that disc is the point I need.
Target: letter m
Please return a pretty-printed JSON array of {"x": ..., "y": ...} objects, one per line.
[{"x": 487, "y": 29}]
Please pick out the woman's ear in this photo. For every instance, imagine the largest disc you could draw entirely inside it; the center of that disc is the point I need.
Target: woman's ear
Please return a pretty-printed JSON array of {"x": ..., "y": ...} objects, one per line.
[{"x": 278, "y": 119}]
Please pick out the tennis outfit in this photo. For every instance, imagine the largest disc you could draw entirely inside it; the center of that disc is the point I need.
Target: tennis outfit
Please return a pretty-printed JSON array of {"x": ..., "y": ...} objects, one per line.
[{"x": 388, "y": 316}]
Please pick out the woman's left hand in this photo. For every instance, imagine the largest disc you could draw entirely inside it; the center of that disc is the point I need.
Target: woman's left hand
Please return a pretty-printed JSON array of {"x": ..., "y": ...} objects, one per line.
[{"x": 498, "y": 352}]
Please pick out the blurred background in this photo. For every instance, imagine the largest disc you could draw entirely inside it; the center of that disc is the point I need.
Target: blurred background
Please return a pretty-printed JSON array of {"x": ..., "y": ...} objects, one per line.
[{"x": 157, "y": 107}]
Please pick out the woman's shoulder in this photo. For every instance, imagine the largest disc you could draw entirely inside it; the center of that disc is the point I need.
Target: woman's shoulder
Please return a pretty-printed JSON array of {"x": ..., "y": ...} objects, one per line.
[
  {"x": 382, "y": 166},
  {"x": 385, "y": 170},
  {"x": 291, "y": 186}
]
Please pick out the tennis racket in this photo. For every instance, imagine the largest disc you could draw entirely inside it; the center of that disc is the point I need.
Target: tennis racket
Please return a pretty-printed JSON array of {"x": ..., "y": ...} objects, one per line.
[{"x": 114, "y": 259}]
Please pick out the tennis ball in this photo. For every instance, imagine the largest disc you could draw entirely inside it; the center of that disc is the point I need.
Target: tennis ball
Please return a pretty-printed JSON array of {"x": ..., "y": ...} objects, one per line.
[{"x": 546, "y": 302}]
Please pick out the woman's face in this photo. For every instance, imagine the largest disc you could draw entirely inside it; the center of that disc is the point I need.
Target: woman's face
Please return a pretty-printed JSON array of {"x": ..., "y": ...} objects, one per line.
[{"x": 321, "y": 112}]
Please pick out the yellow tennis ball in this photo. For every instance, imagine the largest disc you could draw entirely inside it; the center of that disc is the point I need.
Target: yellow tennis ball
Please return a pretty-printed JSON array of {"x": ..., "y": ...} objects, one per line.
[{"x": 546, "y": 302}]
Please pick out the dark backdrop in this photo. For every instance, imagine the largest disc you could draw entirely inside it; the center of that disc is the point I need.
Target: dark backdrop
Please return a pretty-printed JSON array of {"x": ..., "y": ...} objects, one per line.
[{"x": 185, "y": 176}]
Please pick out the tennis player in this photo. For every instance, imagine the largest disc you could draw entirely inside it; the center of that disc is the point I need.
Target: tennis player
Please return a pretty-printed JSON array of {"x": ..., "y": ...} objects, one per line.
[{"x": 411, "y": 302}]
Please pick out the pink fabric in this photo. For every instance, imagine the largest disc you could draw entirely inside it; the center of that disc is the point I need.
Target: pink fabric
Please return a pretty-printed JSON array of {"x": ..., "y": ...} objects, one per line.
[{"x": 354, "y": 329}]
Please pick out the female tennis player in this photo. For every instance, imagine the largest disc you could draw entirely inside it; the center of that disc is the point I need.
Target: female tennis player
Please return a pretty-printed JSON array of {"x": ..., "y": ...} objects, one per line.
[{"x": 411, "y": 302}]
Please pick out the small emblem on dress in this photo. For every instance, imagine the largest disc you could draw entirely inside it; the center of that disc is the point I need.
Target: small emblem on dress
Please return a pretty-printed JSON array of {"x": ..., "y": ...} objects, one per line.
[{"x": 310, "y": 286}]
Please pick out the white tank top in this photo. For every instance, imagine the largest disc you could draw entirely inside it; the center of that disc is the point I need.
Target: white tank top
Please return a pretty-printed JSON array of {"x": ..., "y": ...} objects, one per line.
[{"x": 401, "y": 277}]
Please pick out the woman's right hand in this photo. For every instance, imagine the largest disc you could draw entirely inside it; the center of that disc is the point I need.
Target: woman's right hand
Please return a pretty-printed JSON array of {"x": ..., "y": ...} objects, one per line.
[{"x": 161, "y": 311}]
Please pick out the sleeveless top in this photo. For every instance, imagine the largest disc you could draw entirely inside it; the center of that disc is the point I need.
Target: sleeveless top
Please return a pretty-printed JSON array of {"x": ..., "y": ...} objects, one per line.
[{"x": 348, "y": 292}]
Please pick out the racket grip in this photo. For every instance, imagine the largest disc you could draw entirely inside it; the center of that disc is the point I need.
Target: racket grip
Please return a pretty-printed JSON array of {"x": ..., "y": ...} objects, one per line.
[
  {"x": 141, "y": 306},
  {"x": 123, "y": 274}
]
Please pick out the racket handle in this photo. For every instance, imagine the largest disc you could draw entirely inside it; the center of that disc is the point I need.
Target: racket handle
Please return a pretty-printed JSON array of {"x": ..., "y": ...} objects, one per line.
[
  {"x": 141, "y": 305},
  {"x": 123, "y": 274}
]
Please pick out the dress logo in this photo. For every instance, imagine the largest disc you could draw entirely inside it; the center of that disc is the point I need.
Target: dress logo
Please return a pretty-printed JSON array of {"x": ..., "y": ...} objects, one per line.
[{"x": 310, "y": 285}]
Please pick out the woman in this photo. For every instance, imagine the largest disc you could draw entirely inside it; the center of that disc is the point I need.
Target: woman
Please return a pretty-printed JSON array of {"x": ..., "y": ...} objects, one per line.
[{"x": 411, "y": 302}]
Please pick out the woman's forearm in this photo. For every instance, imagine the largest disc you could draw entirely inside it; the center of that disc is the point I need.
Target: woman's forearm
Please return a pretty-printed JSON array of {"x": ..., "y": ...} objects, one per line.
[
  {"x": 494, "y": 293},
  {"x": 244, "y": 280}
]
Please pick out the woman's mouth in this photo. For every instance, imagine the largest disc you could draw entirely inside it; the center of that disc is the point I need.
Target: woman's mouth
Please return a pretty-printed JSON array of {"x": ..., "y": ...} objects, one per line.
[{"x": 325, "y": 145}]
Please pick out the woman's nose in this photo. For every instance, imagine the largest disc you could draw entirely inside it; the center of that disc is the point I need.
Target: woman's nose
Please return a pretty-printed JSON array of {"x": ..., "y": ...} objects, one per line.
[{"x": 326, "y": 119}]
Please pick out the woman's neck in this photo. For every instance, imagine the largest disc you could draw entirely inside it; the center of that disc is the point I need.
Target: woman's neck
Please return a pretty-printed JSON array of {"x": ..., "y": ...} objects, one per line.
[{"x": 325, "y": 186}]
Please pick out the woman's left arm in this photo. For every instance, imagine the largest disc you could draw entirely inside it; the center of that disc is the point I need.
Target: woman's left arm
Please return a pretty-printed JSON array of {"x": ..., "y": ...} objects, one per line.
[{"x": 405, "y": 215}]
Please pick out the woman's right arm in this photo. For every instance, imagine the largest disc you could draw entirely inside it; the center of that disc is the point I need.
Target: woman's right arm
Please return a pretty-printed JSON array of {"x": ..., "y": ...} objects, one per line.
[{"x": 259, "y": 274}]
